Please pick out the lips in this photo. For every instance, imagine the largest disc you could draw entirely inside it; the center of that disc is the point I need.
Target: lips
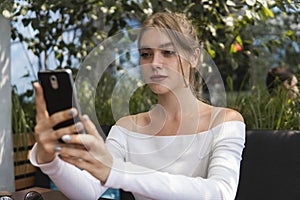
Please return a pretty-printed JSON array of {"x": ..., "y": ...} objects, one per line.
[{"x": 158, "y": 78}]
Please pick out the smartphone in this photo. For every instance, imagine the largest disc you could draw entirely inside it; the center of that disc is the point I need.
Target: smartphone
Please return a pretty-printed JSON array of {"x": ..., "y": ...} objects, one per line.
[{"x": 59, "y": 93}]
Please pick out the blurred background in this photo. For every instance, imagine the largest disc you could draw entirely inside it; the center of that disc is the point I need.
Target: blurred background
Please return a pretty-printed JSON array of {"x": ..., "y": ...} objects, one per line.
[{"x": 245, "y": 39}]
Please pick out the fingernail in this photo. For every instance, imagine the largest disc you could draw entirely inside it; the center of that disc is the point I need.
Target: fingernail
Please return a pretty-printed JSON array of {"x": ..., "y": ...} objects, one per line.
[
  {"x": 71, "y": 112},
  {"x": 66, "y": 138},
  {"x": 57, "y": 148},
  {"x": 86, "y": 117},
  {"x": 78, "y": 125}
]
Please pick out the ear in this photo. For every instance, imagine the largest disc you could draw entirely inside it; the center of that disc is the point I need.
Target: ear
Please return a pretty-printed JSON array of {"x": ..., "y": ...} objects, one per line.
[{"x": 195, "y": 57}]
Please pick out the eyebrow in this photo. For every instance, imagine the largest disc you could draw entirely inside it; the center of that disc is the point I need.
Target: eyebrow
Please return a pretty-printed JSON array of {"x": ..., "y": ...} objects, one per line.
[{"x": 160, "y": 46}]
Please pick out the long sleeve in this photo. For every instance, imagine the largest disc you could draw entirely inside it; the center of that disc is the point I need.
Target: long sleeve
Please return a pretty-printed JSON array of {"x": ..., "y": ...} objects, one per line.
[
  {"x": 73, "y": 182},
  {"x": 207, "y": 168},
  {"x": 222, "y": 174}
]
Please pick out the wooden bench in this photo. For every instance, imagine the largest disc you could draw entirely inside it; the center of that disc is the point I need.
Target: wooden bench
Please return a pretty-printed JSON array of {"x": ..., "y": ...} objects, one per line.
[{"x": 24, "y": 171}]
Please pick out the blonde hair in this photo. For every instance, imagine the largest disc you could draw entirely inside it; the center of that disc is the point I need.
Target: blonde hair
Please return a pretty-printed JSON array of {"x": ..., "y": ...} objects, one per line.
[{"x": 176, "y": 22}]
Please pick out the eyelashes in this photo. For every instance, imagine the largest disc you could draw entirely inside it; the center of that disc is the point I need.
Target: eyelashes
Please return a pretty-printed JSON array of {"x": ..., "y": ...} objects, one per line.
[{"x": 146, "y": 54}]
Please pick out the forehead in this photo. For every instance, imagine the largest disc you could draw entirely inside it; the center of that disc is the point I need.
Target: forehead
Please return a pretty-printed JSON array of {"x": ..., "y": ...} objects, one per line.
[{"x": 153, "y": 38}]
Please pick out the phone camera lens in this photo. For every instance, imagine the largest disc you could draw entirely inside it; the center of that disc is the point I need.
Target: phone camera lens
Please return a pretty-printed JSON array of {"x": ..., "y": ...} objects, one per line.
[
  {"x": 53, "y": 78},
  {"x": 53, "y": 81}
]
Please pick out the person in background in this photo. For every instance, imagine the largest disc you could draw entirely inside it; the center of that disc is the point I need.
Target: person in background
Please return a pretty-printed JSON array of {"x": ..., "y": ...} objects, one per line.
[
  {"x": 282, "y": 76},
  {"x": 182, "y": 148}
]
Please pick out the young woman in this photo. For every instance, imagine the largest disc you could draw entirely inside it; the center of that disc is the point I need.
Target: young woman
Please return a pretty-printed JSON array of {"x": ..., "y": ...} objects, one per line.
[{"x": 182, "y": 148}]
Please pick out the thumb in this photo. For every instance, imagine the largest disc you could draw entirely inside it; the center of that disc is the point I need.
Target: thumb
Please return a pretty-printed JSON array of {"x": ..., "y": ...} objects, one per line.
[{"x": 89, "y": 126}]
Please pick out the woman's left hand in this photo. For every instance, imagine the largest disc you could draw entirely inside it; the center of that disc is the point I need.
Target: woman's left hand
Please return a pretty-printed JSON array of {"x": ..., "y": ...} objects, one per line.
[{"x": 94, "y": 158}]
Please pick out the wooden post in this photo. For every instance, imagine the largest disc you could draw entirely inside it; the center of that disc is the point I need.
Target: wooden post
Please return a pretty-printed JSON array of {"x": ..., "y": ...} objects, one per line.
[{"x": 6, "y": 145}]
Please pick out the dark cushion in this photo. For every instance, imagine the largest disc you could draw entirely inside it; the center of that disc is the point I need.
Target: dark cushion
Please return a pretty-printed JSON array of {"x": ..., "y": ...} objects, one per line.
[{"x": 270, "y": 168}]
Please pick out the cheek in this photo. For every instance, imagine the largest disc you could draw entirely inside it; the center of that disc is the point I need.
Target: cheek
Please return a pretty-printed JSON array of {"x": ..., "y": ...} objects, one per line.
[
  {"x": 173, "y": 65},
  {"x": 145, "y": 72},
  {"x": 142, "y": 62},
  {"x": 186, "y": 67}
]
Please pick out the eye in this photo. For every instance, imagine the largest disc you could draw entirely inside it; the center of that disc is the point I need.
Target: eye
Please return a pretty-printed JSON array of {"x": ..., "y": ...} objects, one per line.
[
  {"x": 145, "y": 53},
  {"x": 168, "y": 52}
]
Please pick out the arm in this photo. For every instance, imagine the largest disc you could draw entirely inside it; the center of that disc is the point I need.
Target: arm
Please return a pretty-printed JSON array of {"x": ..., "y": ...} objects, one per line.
[
  {"x": 73, "y": 182},
  {"x": 70, "y": 179},
  {"x": 223, "y": 171}
]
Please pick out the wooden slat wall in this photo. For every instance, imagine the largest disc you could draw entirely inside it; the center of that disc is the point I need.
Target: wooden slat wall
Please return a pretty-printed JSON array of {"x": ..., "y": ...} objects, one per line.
[
  {"x": 24, "y": 171},
  {"x": 21, "y": 139},
  {"x": 25, "y": 183},
  {"x": 26, "y": 168}
]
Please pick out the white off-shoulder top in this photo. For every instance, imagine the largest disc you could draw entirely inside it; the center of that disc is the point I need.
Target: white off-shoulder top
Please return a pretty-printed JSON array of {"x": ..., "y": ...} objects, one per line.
[{"x": 203, "y": 166}]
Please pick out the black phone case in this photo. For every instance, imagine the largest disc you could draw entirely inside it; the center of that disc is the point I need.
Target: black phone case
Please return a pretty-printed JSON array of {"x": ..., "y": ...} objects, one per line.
[{"x": 61, "y": 98}]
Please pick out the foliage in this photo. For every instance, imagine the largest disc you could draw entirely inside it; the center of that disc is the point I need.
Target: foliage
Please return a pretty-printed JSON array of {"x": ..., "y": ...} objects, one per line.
[
  {"x": 110, "y": 105},
  {"x": 66, "y": 31},
  {"x": 70, "y": 29},
  {"x": 103, "y": 99},
  {"x": 142, "y": 100},
  {"x": 6, "y": 7},
  {"x": 22, "y": 123},
  {"x": 276, "y": 42},
  {"x": 263, "y": 111}
]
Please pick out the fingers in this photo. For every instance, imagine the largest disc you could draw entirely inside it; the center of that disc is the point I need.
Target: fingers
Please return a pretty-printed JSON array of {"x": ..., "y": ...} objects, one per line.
[
  {"x": 53, "y": 135},
  {"x": 88, "y": 140},
  {"x": 48, "y": 141},
  {"x": 47, "y": 138},
  {"x": 62, "y": 116},
  {"x": 94, "y": 148},
  {"x": 89, "y": 126},
  {"x": 48, "y": 123},
  {"x": 98, "y": 163},
  {"x": 41, "y": 108},
  {"x": 74, "y": 155}
]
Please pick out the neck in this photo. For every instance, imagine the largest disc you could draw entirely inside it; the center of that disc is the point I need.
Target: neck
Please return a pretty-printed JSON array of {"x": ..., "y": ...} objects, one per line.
[{"x": 178, "y": 103}]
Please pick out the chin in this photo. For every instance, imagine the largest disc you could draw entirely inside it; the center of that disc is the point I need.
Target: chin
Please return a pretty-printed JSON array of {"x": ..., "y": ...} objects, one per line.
[{"x": 158, "y": 89}]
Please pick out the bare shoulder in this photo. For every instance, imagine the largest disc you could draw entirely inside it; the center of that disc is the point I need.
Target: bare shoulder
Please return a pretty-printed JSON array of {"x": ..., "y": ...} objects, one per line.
[
  {"x": 126, "y": 121},
  {"x": 233, "y": 115},
  {"x": 130, "y": 122},
  {"x": 221, "y": 115}
]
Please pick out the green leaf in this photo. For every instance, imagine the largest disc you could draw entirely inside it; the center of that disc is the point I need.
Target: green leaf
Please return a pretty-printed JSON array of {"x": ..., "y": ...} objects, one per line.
[
  {"x": 211, "y": 52},
  {"x": 238, "y": 39},
  {"x": 267, "y": 12},
  {"x": 232, "y": 49},
  {"x": 229, "y": 82},
  {"x": 289, "y": 33}
]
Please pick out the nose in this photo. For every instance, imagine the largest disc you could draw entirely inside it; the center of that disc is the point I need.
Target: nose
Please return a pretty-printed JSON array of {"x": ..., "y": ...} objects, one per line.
[{"x": 157, "y": 60}]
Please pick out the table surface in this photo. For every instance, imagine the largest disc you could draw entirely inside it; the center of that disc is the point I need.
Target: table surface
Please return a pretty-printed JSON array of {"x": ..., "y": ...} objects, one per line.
[{"x": 45, "y": 192}]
